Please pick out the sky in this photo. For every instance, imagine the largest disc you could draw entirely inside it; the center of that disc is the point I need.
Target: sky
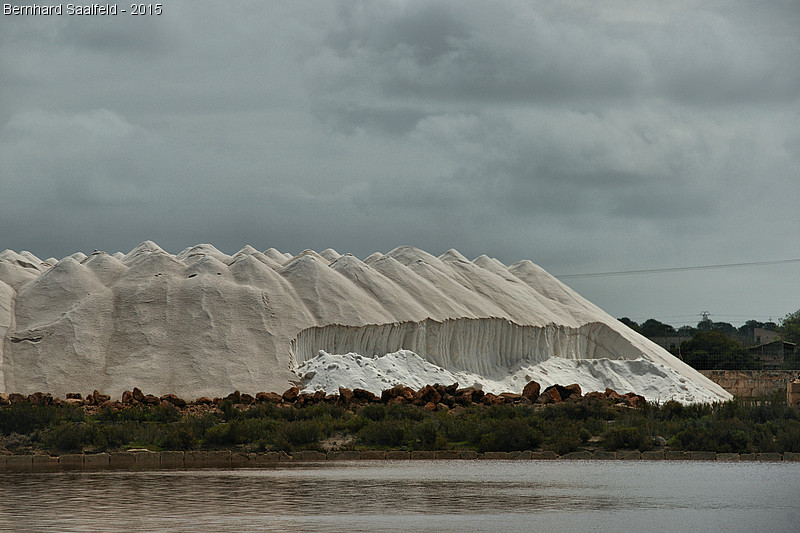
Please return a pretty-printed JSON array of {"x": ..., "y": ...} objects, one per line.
[{"x": 585, "y": 136}]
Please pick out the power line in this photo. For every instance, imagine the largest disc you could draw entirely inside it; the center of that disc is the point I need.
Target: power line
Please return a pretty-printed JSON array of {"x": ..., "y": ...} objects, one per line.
[{"x": 676, "y": 269}]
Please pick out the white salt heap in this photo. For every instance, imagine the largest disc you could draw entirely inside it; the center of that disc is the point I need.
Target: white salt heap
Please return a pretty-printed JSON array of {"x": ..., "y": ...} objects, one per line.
[
  {"x": 655, "y": 382},
  {"x": 204, "y": 323}
]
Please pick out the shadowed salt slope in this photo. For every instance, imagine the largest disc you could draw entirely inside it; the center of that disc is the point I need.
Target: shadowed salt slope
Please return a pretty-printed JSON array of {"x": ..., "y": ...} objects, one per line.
[{"x": 204, "y": 323}]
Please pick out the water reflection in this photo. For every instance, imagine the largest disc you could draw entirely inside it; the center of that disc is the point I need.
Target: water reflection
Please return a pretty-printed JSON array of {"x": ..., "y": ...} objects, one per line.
[{"x": 405, "y": 495}]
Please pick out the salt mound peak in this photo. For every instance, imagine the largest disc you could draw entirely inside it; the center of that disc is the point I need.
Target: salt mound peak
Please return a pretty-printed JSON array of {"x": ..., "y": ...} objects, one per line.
[
  {"x": 203, "y": 323},
  {"x": 202, "y": 251}
]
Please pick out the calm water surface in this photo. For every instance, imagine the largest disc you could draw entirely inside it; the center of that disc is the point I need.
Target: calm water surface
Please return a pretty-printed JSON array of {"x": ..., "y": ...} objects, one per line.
[{"x": 413, "y": 496}]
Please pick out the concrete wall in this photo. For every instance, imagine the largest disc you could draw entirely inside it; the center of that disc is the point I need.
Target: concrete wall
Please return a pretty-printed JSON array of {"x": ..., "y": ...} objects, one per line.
[{"x": 751, "y": 383}]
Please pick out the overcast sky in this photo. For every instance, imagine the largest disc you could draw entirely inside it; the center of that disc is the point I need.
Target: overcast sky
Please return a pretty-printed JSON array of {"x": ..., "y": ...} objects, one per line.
[{"x": 585, "y": 136}]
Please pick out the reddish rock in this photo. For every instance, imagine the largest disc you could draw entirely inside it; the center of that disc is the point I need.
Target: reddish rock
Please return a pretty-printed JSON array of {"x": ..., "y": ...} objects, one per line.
[
  {"x": 319, "y": 396},
  {"x": 4, "y": 399},
  {"x": 492, "y": 399},
  {"x": 430, "y": 406},
  {"x": 127, "y": 397},
  {"x": 304, "y": 399},
  {"x": 428, "y": 393},
  {"x": 149, "y": 399},
  {"x": 510, "y": 397},
  {"x": 575, "y": 390},
  {"x": 247, "y": 399},
  {"x": 204, "y": 400},
  {"x": 451, "y": 389},
  {"x": 634, "y": 400},
  {"x": 531, "y": 391},
  {"x": 554, "y": 393},
  {"x": 234, "y": 397},
  {"x": 365, "y": 395},
  {"x": 138, "y": 395},
  {"x": 75, "y": 395},
  {"x": 544, "y": 398},
  {"x": 271, "y": 397},
  {"x": 291, "y": 394},
  {"x": 345, "y": 395},
  {"x": 174, "y": 400},
  {"x": 611, "y": 394},
  {"x": 99, "y": 397},
  {"x": 41, "y": 398},
  {"x": 595, "y": 395},
  {"x": 398, "y": 391},
  {"x": 442, "y": 407}
]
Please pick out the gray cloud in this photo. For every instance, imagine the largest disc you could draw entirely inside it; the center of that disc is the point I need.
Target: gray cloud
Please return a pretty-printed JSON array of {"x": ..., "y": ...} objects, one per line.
[{"x": 585, "y": 136}]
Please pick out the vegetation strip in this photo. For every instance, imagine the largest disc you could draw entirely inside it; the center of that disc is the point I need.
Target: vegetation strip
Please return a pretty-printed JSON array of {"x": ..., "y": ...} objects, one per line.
[{"x": 435, "y": 422}]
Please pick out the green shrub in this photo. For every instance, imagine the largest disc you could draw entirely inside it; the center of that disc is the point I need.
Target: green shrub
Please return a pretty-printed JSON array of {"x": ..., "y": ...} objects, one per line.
[
  {"x": 626, "y": 438},
  {"x": 302, "y": 432},
  {"x": 67, "y": 437},
  {"x": 373, "y": 411},
  {"x": 383, "y": 433},
  {"x": 510, "y": 435}
]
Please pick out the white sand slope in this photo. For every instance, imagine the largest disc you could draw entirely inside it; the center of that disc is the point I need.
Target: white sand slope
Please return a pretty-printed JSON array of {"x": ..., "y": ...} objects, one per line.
[{"x": 204, "y": 323}]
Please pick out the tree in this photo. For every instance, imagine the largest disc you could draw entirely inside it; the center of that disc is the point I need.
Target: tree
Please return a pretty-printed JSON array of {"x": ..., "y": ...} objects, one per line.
[
  {"x": 790, "y": 327},
  {"x": 631, "y": 324},
  {"x": 653, "y": 328},
  {"x": 713, "y": 350},
  {"x": 705, "y": 323}
]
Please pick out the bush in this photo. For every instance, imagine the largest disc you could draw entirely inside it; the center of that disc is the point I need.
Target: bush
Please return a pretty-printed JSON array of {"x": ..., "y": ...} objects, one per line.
[
  {"x": 383, "y": 433},
  {"x": 510, "y": 435},
  {"x": 67, "y": 437},
  {"x": 626, "y": 438}
]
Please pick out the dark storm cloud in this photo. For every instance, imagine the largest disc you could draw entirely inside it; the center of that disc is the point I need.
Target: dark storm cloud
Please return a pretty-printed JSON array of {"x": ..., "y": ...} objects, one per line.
[{"x": 587, "y": 136}]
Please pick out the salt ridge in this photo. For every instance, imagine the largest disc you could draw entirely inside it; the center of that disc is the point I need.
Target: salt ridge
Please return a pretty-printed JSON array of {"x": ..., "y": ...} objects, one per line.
[{"x": 204, "y": 323}]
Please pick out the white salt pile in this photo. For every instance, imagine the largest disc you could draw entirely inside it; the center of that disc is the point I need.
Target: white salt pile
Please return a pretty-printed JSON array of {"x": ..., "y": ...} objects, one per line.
[
  {"x": 658, "y": 383},
  {"x": 204, "y": 323}
]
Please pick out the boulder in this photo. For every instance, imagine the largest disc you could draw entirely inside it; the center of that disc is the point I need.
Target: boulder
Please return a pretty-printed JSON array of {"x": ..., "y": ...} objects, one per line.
[
  {"x": 428, "y": 393},
  {"x": 235, "y": 397},
  {"x": 575, "y": 391},
  {"x": 345, "y": 395},
  {"x": 554, "y": 392},
  {"x": 138, "y": 395},
  {"x": 174, "y": 400},
  {"x": 149, "y": 399},
  {"x": 98, "y": 397},
  {"x": 531, "y": 390},
  {"x": 291, "y": 394},
  {"x": 247, "y": 399},
  {"x": 611, "y": 394},
  {"x": 15, "y": 397},
  {"x": 270, "y": 397},
  {"x": 365, "y": 395}
]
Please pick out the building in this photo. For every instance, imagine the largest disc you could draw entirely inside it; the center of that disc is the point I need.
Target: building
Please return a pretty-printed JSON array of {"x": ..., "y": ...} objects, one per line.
[
  {"x": 764, "y": 336},
  {"x": 773, "y": 354}
]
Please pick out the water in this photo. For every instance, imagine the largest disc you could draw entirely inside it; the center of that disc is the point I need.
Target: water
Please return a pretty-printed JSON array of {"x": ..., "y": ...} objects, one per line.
[{"x": 436, "y": 496}]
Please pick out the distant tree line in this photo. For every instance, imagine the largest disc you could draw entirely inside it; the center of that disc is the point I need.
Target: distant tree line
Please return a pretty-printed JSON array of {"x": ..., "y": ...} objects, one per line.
[{"x": 720, "y": 345}]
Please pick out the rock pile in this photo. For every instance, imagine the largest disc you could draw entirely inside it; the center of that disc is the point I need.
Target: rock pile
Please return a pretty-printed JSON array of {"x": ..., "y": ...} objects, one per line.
[{"x": 431, "y": 397}]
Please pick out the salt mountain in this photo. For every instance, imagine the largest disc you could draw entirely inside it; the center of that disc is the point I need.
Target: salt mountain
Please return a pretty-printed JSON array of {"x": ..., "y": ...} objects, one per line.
[{"x": 203, "y": 323}]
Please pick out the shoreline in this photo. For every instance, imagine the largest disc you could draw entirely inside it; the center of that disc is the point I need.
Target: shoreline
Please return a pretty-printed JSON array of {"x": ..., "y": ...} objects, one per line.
[{"x": 176, "y": 460}]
